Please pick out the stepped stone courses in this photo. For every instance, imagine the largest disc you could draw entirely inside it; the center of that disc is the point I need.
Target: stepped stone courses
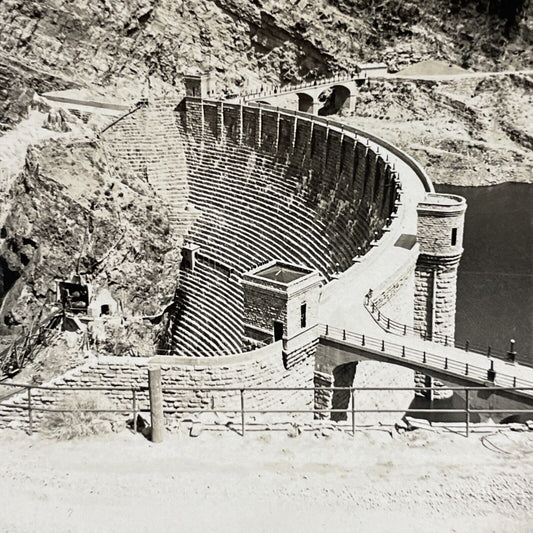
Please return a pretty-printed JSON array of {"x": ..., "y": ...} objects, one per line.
[
  {"x": 247, "y": 186},
  {"x": 297, "y": 200}
]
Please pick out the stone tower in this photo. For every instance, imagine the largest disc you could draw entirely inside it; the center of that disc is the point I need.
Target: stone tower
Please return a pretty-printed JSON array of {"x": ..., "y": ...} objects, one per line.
[{"x": 440, "y": 236}]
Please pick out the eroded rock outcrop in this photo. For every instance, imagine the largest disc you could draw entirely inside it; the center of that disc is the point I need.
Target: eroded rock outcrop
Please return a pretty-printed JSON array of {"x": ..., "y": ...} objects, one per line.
[{"x": 73, "y": 212}]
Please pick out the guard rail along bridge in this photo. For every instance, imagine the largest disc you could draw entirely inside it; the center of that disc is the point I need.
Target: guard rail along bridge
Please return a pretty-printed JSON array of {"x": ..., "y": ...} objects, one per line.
[
  {"x": 463, "y": 367},
  {"x": 313, "y": 94}
]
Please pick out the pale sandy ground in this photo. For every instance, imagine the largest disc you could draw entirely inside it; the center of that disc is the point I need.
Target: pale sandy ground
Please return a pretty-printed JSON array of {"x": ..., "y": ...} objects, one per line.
[{"x": 418, "y": 481}]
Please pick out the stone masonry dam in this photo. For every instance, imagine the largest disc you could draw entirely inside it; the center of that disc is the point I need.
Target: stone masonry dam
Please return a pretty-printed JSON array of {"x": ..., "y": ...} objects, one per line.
[{"x": 287, "y": 222}]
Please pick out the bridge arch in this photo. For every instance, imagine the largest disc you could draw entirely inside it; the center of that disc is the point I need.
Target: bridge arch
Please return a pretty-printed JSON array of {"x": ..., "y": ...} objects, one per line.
[
  {"x": 343, "y": 376},
  {"x": 337, "y": 99},
  {"x": 306, "y": 103}
]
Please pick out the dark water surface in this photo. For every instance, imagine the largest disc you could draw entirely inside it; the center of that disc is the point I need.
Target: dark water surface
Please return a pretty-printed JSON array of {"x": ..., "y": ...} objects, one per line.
[{"x": 495, "y": 283}]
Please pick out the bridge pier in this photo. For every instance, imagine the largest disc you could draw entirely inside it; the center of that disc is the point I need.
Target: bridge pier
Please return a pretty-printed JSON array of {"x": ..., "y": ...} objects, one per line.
[
  {"x": 338, "y": 364},
  {"x": 322, "y": 400}
]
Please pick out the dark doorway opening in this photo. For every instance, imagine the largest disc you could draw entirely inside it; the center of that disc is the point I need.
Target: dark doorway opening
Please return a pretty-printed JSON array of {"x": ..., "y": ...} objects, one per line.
[
  {"x": 105, "y": 310},
  {"x": 278, "y": 331},
  {"x": 305, "y": 103}
]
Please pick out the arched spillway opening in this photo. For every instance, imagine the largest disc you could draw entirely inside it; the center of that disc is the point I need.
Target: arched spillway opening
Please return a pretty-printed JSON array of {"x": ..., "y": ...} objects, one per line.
[
  {"x": 306, "y": 103},
  {"x": 336, "y": 99}
]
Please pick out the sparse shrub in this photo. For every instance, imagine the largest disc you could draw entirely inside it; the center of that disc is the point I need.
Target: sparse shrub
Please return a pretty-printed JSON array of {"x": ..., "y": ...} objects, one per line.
[
  {"x": 294, "y": 430},
  {"x": 77, "y": 423}
]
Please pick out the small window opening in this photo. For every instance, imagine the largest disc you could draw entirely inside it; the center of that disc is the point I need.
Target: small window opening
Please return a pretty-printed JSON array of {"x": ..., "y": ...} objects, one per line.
[
  {"x": 303, "y": 315},
  {"x": 454, "y": 236},
  {"x": 104, "y": 310}
]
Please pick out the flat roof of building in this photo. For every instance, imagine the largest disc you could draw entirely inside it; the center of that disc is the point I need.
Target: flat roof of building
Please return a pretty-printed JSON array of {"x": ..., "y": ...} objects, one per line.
[{"x": 281, "y": 273}]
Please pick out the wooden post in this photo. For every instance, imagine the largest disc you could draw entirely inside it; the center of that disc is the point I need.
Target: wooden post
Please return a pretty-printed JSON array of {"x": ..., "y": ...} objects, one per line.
[
  {"x": 134, "y": 410},
  {"x": 156, "y": 404}
]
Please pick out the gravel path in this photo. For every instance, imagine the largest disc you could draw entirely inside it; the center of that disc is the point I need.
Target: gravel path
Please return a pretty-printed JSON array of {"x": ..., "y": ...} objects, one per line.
[{"x": 417, "y": 481}]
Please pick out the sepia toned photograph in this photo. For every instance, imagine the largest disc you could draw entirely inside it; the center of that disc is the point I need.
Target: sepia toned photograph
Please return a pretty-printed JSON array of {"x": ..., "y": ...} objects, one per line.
[{"x": 266, "y": 266}]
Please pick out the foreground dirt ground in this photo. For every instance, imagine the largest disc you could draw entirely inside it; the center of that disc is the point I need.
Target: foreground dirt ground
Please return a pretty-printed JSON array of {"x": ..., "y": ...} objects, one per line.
[{"x": 418, "y": 481}]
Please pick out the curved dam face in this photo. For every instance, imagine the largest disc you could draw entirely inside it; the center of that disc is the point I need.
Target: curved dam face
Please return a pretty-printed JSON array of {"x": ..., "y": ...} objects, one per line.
[
  {"x": 267, "y": 186},
  {"x": 285, "y": 221}
]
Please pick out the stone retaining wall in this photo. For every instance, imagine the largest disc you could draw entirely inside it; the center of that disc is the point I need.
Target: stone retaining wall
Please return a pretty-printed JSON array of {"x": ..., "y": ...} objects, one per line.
[{"x": 261, "y": 368}]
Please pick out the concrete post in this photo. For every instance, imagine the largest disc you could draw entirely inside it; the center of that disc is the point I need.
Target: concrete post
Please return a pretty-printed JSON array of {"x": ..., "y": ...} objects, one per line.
[
  {"x": 511, "y": 354},
  {"x": 156, "y": 404}
]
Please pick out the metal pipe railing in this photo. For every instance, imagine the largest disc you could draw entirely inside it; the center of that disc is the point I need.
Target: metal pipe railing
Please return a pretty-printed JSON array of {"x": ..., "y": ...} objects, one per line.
[
  {"x": 399, "y": 328},
  {"x": 243, "y": 411},
  {"x": 424, "y": 358}
]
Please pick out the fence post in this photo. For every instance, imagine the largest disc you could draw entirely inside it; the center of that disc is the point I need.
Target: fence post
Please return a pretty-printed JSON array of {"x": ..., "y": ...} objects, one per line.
[
  {"x": 327, "y": 329},
  {"x": 466, "y": 369},
  {"x": 363, "y": 341},
  {"x": 353, "y": 411},
  {"x": 343, "y": 334},
  {"x": 467, "y": 412},
  {"x": 242, "y": 412},
  {"x": 388, "y": 323},
  {"x": 405, "y": 329},
  {"x": 424, "y": 359},
  {"x": 488, "y": 351},
  {"x": 467, "y": 346},
  {"x": 403, "y": 351},
  {"x": 446, "y": 364},
  {"x": 156, "y": 404},
  {"x": 30, "y": 413},
  {"x": 383, "y": 345},
  {"x": 134, "y": 399}
]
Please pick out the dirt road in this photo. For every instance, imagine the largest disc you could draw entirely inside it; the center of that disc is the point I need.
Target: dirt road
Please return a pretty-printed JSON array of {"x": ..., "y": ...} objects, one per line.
[{"x": 413, "y": 482}]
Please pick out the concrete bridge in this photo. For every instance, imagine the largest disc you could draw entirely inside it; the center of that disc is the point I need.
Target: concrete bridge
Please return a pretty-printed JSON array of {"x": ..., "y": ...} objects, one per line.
[
  {"x": 449, "y": 364},
  {"x": 322, "y": 95}
]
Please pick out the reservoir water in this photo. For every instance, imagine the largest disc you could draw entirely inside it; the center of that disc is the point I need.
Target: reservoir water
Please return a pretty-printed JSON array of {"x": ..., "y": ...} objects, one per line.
[{"x": 495, "y": 279}]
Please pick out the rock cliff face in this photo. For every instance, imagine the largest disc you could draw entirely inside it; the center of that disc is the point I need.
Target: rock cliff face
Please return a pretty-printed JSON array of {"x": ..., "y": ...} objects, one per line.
[
  {"x": 473, "y": 130},
  {"x": 123, "y": 42},
  {"x": 72, "y": 212}
]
